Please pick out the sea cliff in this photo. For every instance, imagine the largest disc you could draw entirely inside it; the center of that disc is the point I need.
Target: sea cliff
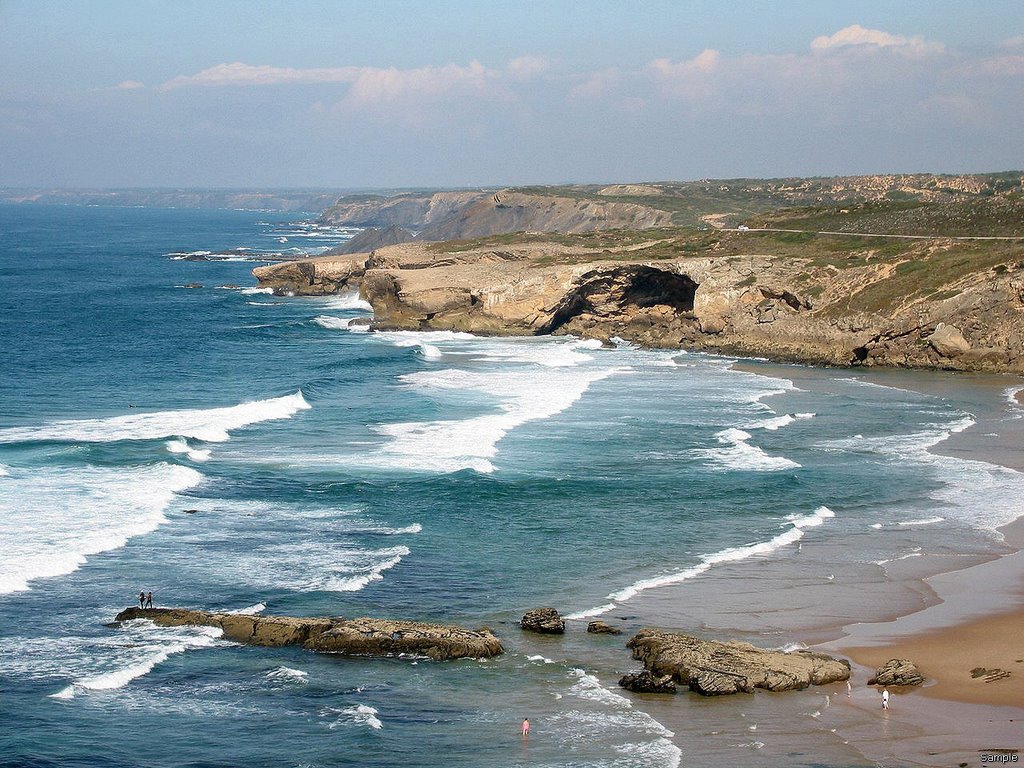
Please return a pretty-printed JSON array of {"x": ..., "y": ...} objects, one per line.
[{"x": 824, "y": 299}]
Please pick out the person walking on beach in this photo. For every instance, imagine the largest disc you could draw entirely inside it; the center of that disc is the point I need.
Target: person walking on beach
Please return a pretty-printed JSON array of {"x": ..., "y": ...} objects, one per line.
[
  {"x": 149, "y": 599},
  {"x": 849, "y": 689},
  {"x": 142, "y": 599},
  {"x": 885, "y": 698},
  {"x": 526, "y": 727}
]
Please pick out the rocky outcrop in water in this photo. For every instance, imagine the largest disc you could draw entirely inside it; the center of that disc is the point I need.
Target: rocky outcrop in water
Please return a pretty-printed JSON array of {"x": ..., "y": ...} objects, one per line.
[
  {"x": 354, "y": 637},
  {"x": 715, "y": 668},
  {"x": 645, "y": 682},
  {"x": 602, "y": 628},
  {"x": 543, "y": 620},
  {"x": 897, "y": 672}
]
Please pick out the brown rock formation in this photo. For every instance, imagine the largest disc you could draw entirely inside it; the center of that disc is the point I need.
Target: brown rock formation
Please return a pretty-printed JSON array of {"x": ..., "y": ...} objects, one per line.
[
  {"x": 315, "y": 276},
  {"x": 543, "y": 620},
  {"x": 356, "y": 637},
  {"x": 897, "y": 672},
  {"x": 870, "y": 312},
  {"x": 714, "y": 668},
  {"x": 602, "y": 628}
]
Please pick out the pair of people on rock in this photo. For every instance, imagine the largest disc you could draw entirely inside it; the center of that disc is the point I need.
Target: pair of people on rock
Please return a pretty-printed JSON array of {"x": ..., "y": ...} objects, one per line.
[{"x": 145, "y": 600}]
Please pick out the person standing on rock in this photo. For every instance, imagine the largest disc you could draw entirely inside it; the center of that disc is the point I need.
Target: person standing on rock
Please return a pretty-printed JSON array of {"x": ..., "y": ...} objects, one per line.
[
  {"x": 149, "y": 599},
  {"x": 526, "y": 727},
  {"x": 142, "y": 599},
  {"x": 885, "y": 698}
]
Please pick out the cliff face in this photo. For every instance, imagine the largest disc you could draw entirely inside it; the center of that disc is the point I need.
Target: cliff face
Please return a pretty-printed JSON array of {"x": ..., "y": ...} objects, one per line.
[
  {"x": 869, "y": 311},
  {"x": 315, "y": 276},
  {"x": 462, "y": 215}
]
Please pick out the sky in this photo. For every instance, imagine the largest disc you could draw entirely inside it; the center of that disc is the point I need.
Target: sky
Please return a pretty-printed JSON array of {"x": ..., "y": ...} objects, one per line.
[{"x": 351, "y": 94}]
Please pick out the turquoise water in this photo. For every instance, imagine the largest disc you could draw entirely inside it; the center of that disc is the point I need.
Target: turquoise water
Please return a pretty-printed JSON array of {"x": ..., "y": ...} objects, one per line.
[{"x": 434, "y": 476}]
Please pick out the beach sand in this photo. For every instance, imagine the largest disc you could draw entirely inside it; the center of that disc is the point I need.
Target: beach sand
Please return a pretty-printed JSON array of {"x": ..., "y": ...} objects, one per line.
[{"x": 950, "y": 658}]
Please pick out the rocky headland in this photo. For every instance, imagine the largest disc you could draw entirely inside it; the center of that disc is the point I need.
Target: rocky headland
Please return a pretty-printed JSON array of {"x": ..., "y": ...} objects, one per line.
[
  {"x": 353, "y": 637},
  {"x": 820, "y": 299}
]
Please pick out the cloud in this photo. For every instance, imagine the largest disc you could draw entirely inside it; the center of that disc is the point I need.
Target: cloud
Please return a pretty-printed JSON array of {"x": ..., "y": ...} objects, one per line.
[
  {"x": 527, "y": 67},
  {"x": 1013, "y": 42},
  {"x": 857, "y": 36},
  {"x": 373, "y": 85},
  {"x": 129, "y": 85},
  {"x": 240, "y": 74},
  {"x": 702, "y": 63}
]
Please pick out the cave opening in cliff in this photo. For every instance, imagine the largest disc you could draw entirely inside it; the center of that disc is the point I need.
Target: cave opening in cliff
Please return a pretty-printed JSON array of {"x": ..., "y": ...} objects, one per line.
[
  {"x": 607, "y": 296},
  {"x": 649, "y": 287}
]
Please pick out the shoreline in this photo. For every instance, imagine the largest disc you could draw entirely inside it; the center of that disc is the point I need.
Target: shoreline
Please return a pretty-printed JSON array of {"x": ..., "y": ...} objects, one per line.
[{"x": 969, "y": 615}]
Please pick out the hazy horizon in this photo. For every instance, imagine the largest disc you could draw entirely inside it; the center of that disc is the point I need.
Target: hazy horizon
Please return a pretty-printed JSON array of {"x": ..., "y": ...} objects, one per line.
[{"x": 339, "y": 96}]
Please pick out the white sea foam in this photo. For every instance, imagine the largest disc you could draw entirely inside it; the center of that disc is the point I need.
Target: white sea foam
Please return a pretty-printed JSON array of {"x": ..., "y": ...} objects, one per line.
[
  {"x": 778, "y": 422},
  {"x": 332, "y": 323},
  {"x": 55, "y": 518},
  {"x": 251, "y": 610},
  {"x": 615, "y": 713},
  {"x": 148, "y": 647},
  {"x": 386, "y": 531},
  {"x": 287, "y": 674},
  {"x": 181, "y": 446},
  {"x": 360, "y": 714},
  {"x": 970, "y": 492},
  {"x": 255, "y": 289},
  {"x": 738, "y": 455},
  {"x": 347, "y": 301},
  {"x": 449, "y": 446},
  {"x": 428, "y": 351},
  {"x": 4, "y": 471},
  {"x": 209, "y": 424},
  {"x": 316, "y": 565},
  {"x": 368, "y": 567},
  {"x": 794, "y": 531}
]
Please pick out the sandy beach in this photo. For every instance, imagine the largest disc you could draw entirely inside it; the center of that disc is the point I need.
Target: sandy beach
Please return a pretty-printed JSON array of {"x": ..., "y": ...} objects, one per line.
[{"x": 977, "y": 662}]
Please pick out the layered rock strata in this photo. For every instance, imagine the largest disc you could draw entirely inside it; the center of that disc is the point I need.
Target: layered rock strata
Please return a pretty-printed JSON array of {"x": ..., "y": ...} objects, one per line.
[
  {"x": 784, "y": 309},
  {"x": 897, "y": 672},
  {"x": 354, "y": 637},
  {"x": 715, "y": 668}
]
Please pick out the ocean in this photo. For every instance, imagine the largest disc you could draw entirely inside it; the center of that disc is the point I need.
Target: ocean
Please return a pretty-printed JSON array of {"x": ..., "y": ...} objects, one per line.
[{"x": 167, "y": 426}]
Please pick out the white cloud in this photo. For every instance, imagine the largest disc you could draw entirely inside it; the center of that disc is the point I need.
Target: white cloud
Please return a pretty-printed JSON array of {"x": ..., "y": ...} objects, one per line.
[
  {"x": 704, "y": 62},
  {"x": 857, "y": 36},
  {"x": 129, "y": 85},
  {"x": 1013, "y": 42},
  {"x": 527, "y": 67},
  {"x": 372, "y": 85},
  {"x": 241, "y": 74}
]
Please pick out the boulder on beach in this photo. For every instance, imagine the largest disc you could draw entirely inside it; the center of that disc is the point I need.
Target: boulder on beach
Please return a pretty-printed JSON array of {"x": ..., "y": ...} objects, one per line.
[
  {"x": 715, "y": 668},
  {"x": 543, "y": 620},
  {"x": 354, "y": 637},
  {"x": 645, "y": 682},
  {"x": 897, "y": 672}
]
